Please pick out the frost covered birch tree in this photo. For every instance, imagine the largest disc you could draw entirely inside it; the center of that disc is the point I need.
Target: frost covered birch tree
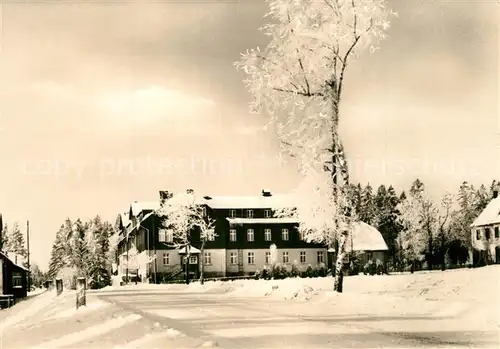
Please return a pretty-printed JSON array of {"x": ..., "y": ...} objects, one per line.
[
  {"x": 298, "y": 80},
  {"x": 184, "y": 214}
]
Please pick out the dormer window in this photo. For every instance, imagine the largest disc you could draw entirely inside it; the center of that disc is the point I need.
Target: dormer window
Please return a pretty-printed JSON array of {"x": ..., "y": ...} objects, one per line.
[
  {"x": 232, "y": 213},
  {"x": 204, "y": 211},
  {"x": 267, "y": 213},
  {"x": 249, "y": 213},
  {"x": 478, "y": 234}
]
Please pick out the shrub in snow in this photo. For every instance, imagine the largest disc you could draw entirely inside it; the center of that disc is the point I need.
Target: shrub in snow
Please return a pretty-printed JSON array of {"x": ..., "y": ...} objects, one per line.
[
  {"x": 309, "y": 273},
  {"x": 295, "y": 270},
  {"x": 257, "y": 274},
  {"x": 322, "y": 271},
  {"x": 279, "y": 272},
  {"x": 265, "y": 274},
  {"x": 370, "y": 268}
]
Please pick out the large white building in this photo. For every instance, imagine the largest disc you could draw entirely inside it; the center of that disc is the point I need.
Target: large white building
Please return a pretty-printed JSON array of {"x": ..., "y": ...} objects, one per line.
[{"x": 486, "y": 233}]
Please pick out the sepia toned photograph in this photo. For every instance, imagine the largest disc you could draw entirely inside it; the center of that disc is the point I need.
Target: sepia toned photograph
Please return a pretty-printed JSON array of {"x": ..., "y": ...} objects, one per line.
[{"x": 250, "y": 174}]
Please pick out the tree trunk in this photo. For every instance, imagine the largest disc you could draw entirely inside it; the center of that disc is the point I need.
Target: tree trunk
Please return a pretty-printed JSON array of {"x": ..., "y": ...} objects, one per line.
[
  {"x": 202, "y": 261},
  {"x": 443, "y": 253},
  {"x": 339, "y": 264},
  {"x": 187, "y": 265},
  {"x": 430, "y": 247}
]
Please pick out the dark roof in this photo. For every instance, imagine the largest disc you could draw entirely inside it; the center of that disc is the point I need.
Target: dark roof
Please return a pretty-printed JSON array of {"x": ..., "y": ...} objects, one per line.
[{"x": 3, "y": 255}]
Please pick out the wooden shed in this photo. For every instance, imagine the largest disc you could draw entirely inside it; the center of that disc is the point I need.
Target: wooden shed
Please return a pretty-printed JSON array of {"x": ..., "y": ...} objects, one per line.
[{"x": 13, "y": 278}]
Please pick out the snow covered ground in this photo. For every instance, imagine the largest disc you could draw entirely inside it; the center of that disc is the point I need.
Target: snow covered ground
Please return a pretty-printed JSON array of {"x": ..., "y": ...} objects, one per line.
[
  {"x": 431, "y": 304},
  {"x": 472, "y": 292}
]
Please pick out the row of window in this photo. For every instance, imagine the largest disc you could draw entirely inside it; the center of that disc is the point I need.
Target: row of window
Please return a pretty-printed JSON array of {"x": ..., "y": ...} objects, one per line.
[
  {"x": 487, "y": 233},
  {"x": 285, "y": 258},
  {"x": 285, "y": 234},
  {"x": 250, "y": 214},
  {"x": 168, "y": 236}
]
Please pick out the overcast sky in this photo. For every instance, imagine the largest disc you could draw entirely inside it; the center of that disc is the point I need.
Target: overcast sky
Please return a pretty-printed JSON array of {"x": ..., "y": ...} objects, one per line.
[{"x": 99, "y": 101}]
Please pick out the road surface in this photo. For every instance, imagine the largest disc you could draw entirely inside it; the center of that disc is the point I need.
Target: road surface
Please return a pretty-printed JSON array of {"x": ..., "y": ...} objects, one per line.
[
  {"x": 257, "y": 323},
  {"x": 134, "y": 318}
]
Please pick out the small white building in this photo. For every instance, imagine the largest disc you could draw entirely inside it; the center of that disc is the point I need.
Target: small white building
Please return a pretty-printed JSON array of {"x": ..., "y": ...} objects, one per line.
[{"x": 485, "y": 233}]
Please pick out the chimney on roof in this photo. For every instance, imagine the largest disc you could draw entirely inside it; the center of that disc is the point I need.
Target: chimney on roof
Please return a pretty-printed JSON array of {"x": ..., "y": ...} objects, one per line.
[
  {"x": 165, "y": 195},
  {"x": 266, "y": 192},
  {"x": 495, "y": 193},
  {"x": 207, "y": 197},
  {"x": 189, "y": 191}
]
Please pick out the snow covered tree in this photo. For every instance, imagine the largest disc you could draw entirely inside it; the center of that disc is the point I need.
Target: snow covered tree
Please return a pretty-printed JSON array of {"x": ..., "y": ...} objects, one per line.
[
  {"x": 368, "y": 206},
  {"x": 418, "y": 217},
  {"x": 445, "y": 226},
  {"x": 386, "y": 202},
  {"x": 4, "y": 237},
  {"x": 36, "y": 275},
  {"x": 99, "y": 267},
  {"x": 186, "y": 216},
  {"x": 298, "y": 81},
  {"x": 59, "y": 257},
  {"x": 15, "y": 242},
  {"x": 79, "y": 248}
]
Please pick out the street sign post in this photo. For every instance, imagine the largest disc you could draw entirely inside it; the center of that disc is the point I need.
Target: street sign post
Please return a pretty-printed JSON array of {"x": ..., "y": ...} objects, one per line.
[
  {"x": 81, "y": 298},
  {"x": 59, "y": 286}
]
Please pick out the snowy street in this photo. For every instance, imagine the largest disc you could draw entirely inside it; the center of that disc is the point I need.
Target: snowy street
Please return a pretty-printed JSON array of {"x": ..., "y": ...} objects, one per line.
[
  {"x": 457, "y": 308},
  {"x": 257, "y": 323}
]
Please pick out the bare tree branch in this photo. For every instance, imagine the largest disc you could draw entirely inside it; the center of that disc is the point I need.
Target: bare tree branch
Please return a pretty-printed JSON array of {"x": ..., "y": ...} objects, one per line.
[{"x": 306, "y": 94}]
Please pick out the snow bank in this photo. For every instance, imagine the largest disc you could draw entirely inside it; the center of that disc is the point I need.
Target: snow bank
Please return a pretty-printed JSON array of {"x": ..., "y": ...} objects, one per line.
[
  {"x": 28, "y": 309},
  {"x": 72, "y": 311}
]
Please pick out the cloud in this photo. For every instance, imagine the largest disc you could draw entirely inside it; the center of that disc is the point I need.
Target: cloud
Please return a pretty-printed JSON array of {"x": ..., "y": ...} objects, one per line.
[{"x": 151, "y": 104}]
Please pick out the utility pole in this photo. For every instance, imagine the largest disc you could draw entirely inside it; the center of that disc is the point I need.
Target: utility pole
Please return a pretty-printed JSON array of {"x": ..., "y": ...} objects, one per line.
[{"x": 28, "y": 248}]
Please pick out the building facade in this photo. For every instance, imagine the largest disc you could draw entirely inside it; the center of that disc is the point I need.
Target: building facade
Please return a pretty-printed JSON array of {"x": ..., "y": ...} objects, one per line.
[
  {"x": 245, "y": 230},
  {"x": 13, "y": 277},
  {"x": 485, "y": 234}
]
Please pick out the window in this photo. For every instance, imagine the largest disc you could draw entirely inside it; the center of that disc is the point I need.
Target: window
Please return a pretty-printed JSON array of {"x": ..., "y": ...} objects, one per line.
[
  {"x": 17, "y": 279},
  {"x": 302, "y": 235},
  {"x": 478, "y": 234},
  {"x": 232, "y": 235},
  {"x": 249, "y": 213},
  {"x": 284, "y": 234},
  {"x": 204, "y": 211},
  {"x": 267, "y": 234},
  {"x": 207, "y": 258},
  {"x": 193, "y": 260},
  {"x": 268, "y": 257},
  {"x": 302, "y": 256},
  {"x": 251, "y": 258},
  {"x": 285, "y": 257},
  {"x": 234, "y": 258},
  {"x": 169, "y": 236},
  {"x": 320, "y": 257},
  {"x": 250, "y": 235},
  {"x": 267, "y": 213},
  {"x": 232, "y": 213},
  {"x": 487, "y": 233},
  {"x": 496, "y": 233},
  {"x": 161, "y": 235},
  {"x": 166, "y": 259}
]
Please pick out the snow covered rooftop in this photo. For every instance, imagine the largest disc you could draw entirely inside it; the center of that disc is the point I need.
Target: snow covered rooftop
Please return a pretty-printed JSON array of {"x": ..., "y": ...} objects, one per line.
[
  {"x": 12, "y": 258},
  {"x": 132, "y": 228},
  {"x": 138, "y": 206},
  {"x": 364, "y": 237},
  {"x": 490, "y": 215},
  {"x": 192, "y": 249},
  {"x": 125, "y": 221},
  {"x": 272, "y": 220},
  {"x": 250, "y": 202}
]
